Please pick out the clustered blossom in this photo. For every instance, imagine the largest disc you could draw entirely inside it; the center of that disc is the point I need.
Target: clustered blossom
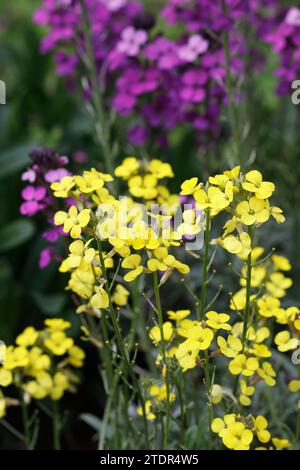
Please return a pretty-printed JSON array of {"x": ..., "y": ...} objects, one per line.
[
  {"x": 285, "y": 41},
  {"x": 46, "y": 168},
  {"x": 40, "y": 364},
  {"x": 163, "y": 82}
]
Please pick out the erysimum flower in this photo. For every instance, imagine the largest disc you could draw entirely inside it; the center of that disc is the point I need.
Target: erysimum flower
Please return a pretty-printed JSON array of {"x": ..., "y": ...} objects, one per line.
[{"x": 73, "y": 221}]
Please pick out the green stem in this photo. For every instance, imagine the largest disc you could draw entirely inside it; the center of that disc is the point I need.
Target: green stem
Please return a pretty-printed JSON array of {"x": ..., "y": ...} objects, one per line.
[
  {"x": 297, "y": 434},
  {"x": 234, "y": 118},
  {"x": 123, "y": 353},
  {"x": 247, "y": 308},
  {"x": 248, "y": 295},
  {"x": 142, "y": 326},
  {"x": 101, "y": 125},
  {"x": 201, "y": 310},
  {"x": 163, "y": 350},
  {"x": 25, "y": 419},
  {"x": 56, "y": 426}
]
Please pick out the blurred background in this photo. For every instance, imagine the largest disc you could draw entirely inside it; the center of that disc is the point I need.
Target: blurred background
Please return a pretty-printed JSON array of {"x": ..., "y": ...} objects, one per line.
[{"x": 41, "y": 112}]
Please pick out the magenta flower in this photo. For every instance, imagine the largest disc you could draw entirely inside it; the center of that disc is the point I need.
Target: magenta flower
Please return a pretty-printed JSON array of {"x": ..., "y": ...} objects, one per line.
[
  {"x": 33, "y": 198},
  {"x": 293, "y": 17},
  {"x": 29, "y": 175},
  {"x": 46, "y": 256},
  {"x": 52, "y": 176},
  {"x": 195, "y": 46},
  {"x": 114, "y": 5},
  {"x": 131, "y": 41}
]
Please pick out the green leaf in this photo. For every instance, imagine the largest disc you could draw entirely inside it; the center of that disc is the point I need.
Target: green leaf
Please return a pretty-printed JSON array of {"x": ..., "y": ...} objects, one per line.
[
  {"x": 14, "y": 160},
  {"x": 50, "y": 304},
  {"x": 15, "y": 234}
]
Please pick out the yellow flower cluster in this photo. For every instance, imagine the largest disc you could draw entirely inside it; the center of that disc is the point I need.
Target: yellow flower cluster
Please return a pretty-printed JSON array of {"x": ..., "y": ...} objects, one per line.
[
  {"x": 244, "y": 197},
  {"x": 40, "y": 363},
  {"x": 141, "y": 246},
  {"x": 241, "y": 433},
  {"x": 143, "y": 179},
  {"x": 157, "y": 396}
]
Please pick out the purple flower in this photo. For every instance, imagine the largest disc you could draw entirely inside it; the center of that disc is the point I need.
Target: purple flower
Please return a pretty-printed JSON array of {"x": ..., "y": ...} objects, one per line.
[
  {"x": 131, "y": 41},
  {"x": 29, "y": 175},
  {"x": 164, "y": 52},
  {"x": 293, "y": 17},
  {"x": 46, "y": 256},
  {"x": 195, "y": 46},
  {"x": 138, "y": 135},
  {"x": 33, "y": 198},
  {"x": 114, "y": 5},
  {"x": 53, "y": 176}
]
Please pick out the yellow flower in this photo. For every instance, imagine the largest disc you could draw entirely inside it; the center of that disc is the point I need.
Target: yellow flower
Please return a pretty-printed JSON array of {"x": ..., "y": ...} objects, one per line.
[
  {"x": 60, "y": 385},
  {"x": 100, "y": 299},
  {"x": 155, "y": 333},
  {"x": 216, "y": 394},
  {"x": 267, "y": 373},
  {"x": 278, "y": 284},
  {"x": 129, "y": 167},
  {"x": 72, "y": 221},
  {"x": 120, "y": 295},
  {"x": 6, "y": 377},
  {"x": 132, "y": 262},
  {"x": 220, "y": 200},
  {"x": 28, "y": 337},
  {"x": 260, "y": 350},
  {"x": 245, "y": 393},
  {"x": 280, "y": 443},
  {"x": 2, "y": 407},
  {"x": 258, "y": 274},
  {"x": 218, "y": 321},
  {"x": 80, "y": 255},
  {"x": 160, "y": 393},
  {"x": 76, "y": 356},
  {"x": 90, "y": 181},
  {"x": 255, "y": 184},
  {"x": 57, "y": 324},
  {"x": 230, "y": 347},
  {"x": 187, "y": 354},
  {"x": 62, "y": 188},
  {"x": 281, "y": 263},
  {"x": 37, "y": 361},
  {"x": 260, "y": 427},
  {"x": 179, "y": 315},
  {"x": 277, "y": 214},
  {"x": 294, "y": 386},
  {"x": 40, "y": 387},
  {"x": 233, "y": 433},
  {"x": 240, "y": 245},
  {"x": 253, "y": 211},
  {"x": 268, "y": 306},
  {"x": 149, "y": 414},
  {"x": 189, "y": 187},
  {"x": 204, "y": 336},
  {"x": 16, "y": 357},
  {"x": 241, "y": 365},
  {"x": 285, "y": 342},
  {"x": 58, "y": 343}
]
